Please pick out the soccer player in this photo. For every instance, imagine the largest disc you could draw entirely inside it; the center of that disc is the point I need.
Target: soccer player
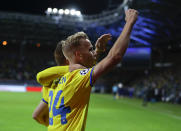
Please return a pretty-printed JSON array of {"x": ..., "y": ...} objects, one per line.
[
  {"x": 49, "y": 77},
  {"x": 41, "y": 112},
  {"x": 68, "y": 103}
]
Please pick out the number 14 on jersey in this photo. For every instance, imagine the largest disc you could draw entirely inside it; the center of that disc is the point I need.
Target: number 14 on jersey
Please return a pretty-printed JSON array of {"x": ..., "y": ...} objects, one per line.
[{"x": 61, "y": 110}]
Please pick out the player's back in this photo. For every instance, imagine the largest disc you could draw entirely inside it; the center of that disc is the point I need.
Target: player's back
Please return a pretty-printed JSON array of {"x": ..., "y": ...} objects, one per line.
[{"x": 68, "y": 103}]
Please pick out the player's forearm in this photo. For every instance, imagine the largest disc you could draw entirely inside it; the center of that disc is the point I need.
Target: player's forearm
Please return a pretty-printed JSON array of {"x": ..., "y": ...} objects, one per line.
[
  {"x": 121, "y": 44},
  {"x": 48, "y": 75},
  {"x": 40, "y": 114}
]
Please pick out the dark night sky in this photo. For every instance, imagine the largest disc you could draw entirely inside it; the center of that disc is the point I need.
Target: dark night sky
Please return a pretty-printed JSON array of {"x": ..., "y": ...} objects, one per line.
[{"x": 39, "y": 6}]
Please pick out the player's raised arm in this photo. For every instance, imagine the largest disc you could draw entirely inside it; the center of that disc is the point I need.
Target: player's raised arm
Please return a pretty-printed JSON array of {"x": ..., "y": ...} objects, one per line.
[{"x": 116, "y": 53}]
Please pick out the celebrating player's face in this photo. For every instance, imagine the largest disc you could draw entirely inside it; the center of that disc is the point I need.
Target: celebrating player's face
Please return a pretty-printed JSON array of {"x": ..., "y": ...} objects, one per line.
[{"x": 87, "y": 56}]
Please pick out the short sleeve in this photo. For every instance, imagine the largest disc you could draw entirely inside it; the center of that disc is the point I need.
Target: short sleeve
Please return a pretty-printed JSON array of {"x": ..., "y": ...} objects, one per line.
[
  {"x": 83, "y": 79},
  {"x": 45, "y": 95}
]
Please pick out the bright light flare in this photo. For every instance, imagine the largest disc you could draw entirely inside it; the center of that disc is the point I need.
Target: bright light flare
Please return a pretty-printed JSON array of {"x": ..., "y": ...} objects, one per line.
[
  {"x": 72, "y": 12},
  {"x": 55, "y": 10},
  {"x": 67, "y": 11},
  {"x": 49, "y": 10},
  {"x": 78, "y": 13},
  {"x": 5, "y": 43},
  {"x": 61, "y": 11}
]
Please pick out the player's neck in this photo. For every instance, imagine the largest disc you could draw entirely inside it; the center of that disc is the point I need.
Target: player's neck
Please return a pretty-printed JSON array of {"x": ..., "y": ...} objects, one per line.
[{"x": 73, "y": 62}]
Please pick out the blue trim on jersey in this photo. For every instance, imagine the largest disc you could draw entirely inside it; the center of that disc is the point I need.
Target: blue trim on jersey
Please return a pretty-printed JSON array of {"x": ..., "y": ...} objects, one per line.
[
  {"x": 91, "y": 77},
  {"x": 44, "y": 101}
]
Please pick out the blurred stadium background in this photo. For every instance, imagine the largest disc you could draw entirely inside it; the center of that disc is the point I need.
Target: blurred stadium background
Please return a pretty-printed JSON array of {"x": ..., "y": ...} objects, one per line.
[{"x": 147, "y": 83}]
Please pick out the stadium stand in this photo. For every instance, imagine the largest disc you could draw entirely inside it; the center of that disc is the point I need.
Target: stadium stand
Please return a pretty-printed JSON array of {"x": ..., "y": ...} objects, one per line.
[{"x": 31, "y": 40}]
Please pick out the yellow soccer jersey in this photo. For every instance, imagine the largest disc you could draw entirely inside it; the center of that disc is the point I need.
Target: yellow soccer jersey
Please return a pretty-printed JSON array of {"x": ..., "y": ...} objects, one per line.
[
  {"x": 46, "y": 77},
  {"x": 53, "y": 85},
  {"x": 68, "y": 103}
]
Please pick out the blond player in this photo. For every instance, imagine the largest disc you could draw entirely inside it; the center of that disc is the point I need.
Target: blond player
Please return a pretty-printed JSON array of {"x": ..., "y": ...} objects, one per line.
[
  {"x": 68, "y": 103},
  {"x": 49, "y": 77}
]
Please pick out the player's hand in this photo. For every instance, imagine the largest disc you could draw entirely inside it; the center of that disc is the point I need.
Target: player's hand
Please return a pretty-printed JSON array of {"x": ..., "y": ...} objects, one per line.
[
  {"x": 102, "y": 42},
  {"x": 131, "y": 16},
  {"x": 46, "y": 119}
]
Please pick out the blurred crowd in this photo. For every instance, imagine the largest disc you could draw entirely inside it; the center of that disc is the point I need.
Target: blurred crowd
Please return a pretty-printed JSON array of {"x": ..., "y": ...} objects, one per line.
[
  {"x": 22, "y": 69},
  {"x": 162, "y": 85}
]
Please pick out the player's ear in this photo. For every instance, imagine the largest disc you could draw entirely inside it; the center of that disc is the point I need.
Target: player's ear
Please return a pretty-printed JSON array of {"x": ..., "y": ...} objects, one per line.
[
  {"x": 78, "y": 55},
  {"x": 66, "y": 62}
]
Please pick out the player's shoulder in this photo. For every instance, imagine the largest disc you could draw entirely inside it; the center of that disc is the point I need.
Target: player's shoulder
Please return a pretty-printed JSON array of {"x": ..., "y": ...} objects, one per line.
[
  {"x": 81, "y": 72},
  {"x": 76, "y": 74}
]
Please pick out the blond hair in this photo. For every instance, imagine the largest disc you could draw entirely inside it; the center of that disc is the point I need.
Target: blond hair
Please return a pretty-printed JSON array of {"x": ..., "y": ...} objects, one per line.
[{"x": 72, "y": 43}]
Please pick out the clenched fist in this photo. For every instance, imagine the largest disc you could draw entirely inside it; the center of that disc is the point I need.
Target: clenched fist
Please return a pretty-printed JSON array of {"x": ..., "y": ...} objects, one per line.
[{"x": 131, "y": 16}]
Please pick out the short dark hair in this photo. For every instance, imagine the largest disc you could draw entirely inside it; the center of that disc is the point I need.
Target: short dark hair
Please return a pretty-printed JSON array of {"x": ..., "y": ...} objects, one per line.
[{"x": 58, "y": 54}]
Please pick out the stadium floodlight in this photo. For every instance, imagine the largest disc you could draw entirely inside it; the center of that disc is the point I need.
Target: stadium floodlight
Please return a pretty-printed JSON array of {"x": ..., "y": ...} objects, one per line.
[
  {"x": 78, "y": 13},
  {"x": 4, "y": 43},
  {"x": 61, "y": 11},
  {"x": 72, "y": 12},
  {"x": 49, "y": 10},
  {"x": 67, "y": 11},
  {"x": 55, "y": 10}
]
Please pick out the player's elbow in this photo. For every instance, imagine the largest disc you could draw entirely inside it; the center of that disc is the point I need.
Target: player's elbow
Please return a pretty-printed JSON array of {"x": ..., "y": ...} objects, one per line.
[
  {"x": 39, "y": 78},
  {"x": 117, "y": 58},
  {"x": 34, "y": 117}
]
